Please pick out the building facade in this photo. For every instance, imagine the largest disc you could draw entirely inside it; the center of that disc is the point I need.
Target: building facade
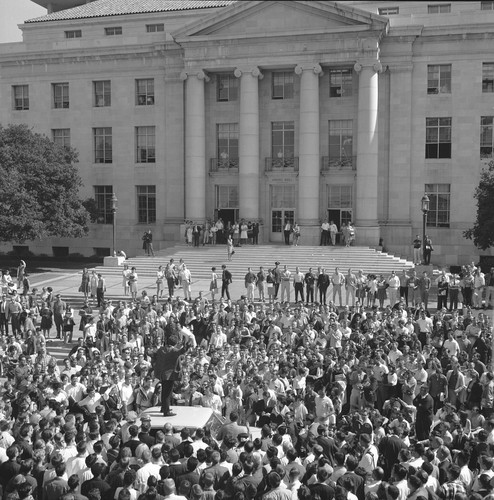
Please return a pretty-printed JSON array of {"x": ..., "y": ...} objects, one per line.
[{"x": 265, "y": 111}]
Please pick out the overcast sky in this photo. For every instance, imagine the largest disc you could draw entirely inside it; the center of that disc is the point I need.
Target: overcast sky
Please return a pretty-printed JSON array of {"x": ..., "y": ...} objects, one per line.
[{"x": 14, "y": 12}]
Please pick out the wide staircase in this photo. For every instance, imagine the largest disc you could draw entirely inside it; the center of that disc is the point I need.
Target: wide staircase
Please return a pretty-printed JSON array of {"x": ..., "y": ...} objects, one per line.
[{"x": 200, "y": 260}]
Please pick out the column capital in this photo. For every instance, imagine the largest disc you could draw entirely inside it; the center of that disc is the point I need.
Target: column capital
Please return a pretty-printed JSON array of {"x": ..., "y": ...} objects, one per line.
[
  {"x": 315, "y": 67},
  {"x": 375, "y": 65},
  {"x": 199, "y": 74},
  {"x": 255, "y": 72}
]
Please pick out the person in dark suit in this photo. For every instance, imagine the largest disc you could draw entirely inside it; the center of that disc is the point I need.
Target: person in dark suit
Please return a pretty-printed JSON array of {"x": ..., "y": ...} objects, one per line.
[
  {"x": 390, "y": 447},
  {"x": 58, "y": 486},
  {"x": 425, "y": 405},
  {"x": 166, "y": 370},
  {"x": 216, "y": 470},
  {"x": 350, "y": 477},
  {"x": 320, "y": 488},
  {"x": 98, "y": 470},
  {"x": 226, "y": 279}
]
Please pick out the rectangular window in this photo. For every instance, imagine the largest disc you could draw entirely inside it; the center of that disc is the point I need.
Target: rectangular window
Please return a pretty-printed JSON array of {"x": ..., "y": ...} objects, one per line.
[
  {"x": 146, "y": 204},
  {"x": 145, "y": 92},
  {"x": 340, "y": 196},
  {"x": 145, "y": 145},
  {"x": 60, "y": 95},
  {"x": 388, "y": 11},
  {"x": 103, "y": 196},
  {"x": 73, "y": 34},
  {"x": 488, "y": 77},
  {"x": 226, "y": 88},
  {"x": 444, "y": 8},
  {"x": 439, "y": 206},
  {"x": 439, "y": 79},
  {"x": 61, "y": 136},
  {"x": 486, "y": 142},
  {"x": 101, "y": 251},
  {"x": 102, "y": 145},
  {"x": 283, "y": 196},
  {"x": 102, "y": 93},
  {"x": 227, "y": 142},
  {"x": 20, "y": 97},
  {"x": 488, "y": 5},
  {"x": 340, "y": 83},
  {"x": 114, "y": 30},
  {"x": 282, "y": 140},
  {"x": 226, "y": 197},
  {"x": 340, "y": 142},
  {"x": 438, "y": 138},
  {"x": 60, "y": 251},
  {"x": 155, "y": 28},
  {"x": 282, "y": 85}
]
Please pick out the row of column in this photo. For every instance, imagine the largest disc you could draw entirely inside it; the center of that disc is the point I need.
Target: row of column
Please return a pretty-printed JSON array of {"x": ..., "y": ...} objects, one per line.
[{"x": 309, "y": 147}]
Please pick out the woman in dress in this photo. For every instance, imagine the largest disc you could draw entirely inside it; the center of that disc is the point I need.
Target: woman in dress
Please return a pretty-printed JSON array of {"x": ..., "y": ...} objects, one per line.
[
  {"x": 133, "y": 283},
  {"x": 206, "y": 232},
  {"x": 213, "y": 286},
  {"x": 125, "y": 278},
  {"x": 229, "y": 247},
  {"x": 94, "y": 284},
  {"x": 21, "y": 269},
  {"x": 189, "y": 235},
  {"x": 236, "y": 234},
  {"x": 46, "y": 319},
  {"x": 296, "y": 234},
  {"x": 381, "y": 290},
  {"x": 85, "y": 283},
  {"x": 244, "y": 228},
  {"x": 160, "y": 276}
]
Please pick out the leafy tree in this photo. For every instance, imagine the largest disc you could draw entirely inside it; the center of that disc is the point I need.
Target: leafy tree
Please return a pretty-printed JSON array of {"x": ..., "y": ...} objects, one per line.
[
  {"x": 482, "y": 232},
  {"x": 39, "y": 188}
]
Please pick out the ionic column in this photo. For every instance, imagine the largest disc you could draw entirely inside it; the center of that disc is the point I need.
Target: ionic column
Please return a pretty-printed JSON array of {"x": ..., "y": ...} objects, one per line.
[
  {"x": 195, "y": 145},
  {"x": 308, "y": 183},
  {"x": 248, "y": 170},
  {"x": 367, "y": 153}
]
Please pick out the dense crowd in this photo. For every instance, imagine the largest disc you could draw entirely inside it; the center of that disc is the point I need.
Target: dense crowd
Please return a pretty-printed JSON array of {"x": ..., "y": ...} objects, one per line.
[{"x": 356, "y": 400}]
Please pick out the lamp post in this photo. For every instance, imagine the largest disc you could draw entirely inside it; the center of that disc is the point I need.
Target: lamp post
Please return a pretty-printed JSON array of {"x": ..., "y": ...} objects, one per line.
[
  {"x": 114, "y": 209},
  {"x": 425, "y": 211}
]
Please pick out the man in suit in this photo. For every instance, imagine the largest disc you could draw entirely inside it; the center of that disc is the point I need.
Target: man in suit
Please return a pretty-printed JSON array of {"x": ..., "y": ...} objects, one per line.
[
  {"x": 350, "y": 477},
  {"x": 231, "y": 428},
  {"x": 58, "y": 486},
  {"x": 166, "y": 370},
  {"x": 4, "y": 308},
  {"x": 226, "y": 280},
  {"x": 390, "y": 447},
  {"x": 216, "y": 470}
]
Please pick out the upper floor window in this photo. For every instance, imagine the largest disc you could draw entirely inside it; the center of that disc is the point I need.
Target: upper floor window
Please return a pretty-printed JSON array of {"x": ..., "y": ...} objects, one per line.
[
  {"x": 155, "y": 28},
  {"x": 227, "y": 142},
  {"x": 340, "y": 83},
  {"x": 282, "y": 85},
  {"x": 113, "y": 30},
  {"x": 486, "y": 139},
  {"x": 439, "y": 79},
  {"x": 61, "y": 136},
  {"x": 282, "y": 140},
  {"x": 146, "y": 144},
  {"x": 488, "y": 5},
  {"x": 439, "y": 204},
  {"x": 442, "y": 8},
  {"x": 438, "y": 138},
  {"x": 226, "y": 88},
  {"x": 20, "y": 97},
  {"x": 388, "y": 11},
  {"x": 146, "y": 204},
  {"x": 103, "y": 196},
  {"x": 103, "y": 145},
  {"x": 488, "y": 77},
  {"x": 341, "y": 142},
  {"x": 102, "y": 93},
  {"x": 145, "y": 92},
  {"x": 73, "y": 34},
  {"x": 60, "y": 95}
]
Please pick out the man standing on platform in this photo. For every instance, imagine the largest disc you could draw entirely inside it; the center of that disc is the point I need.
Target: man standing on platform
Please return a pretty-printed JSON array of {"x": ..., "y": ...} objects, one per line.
[
  {"x": 226, "y": 279},
  {"x": 417, "y": 246},
  {"x": 333, "y": 231},
  {"x": 166, "y": 369},
  {"x": 325, "y": 233},
  {"x": 250, "y": 284}
]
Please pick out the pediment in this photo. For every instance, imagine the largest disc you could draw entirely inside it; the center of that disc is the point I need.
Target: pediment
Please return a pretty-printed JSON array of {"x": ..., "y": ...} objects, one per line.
[{"x": 278, "y": 17}]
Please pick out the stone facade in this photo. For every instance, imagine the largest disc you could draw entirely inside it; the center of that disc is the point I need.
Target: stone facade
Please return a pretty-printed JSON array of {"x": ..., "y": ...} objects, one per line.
[{"x": 266, "y": 110}]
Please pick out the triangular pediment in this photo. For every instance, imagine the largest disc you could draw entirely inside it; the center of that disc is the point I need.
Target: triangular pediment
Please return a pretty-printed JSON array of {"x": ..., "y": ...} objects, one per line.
[{"x": 281, "y": 17}]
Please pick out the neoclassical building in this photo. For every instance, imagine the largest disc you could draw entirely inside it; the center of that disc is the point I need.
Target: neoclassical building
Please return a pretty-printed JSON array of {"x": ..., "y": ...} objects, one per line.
[{"x": 263, "y": 110}]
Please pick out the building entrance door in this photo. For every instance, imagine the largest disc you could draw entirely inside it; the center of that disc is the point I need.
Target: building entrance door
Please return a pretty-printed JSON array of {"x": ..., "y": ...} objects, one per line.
[
  {"x": 339, "y": 216},
  {"x": 278, "y": 219}
]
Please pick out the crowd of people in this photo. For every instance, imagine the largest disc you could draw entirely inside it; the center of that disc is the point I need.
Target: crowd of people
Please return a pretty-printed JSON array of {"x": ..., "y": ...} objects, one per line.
[{"x": 351, "y": 398}]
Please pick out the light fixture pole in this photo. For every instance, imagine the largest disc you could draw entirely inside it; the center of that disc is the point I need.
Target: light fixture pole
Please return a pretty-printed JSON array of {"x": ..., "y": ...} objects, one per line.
[
  {"x": 114, "y": 209},
  {"x": 425, "y": 211}
]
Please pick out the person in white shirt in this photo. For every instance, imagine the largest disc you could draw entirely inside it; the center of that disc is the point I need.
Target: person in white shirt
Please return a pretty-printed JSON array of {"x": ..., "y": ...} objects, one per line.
[
  {"x": 337, "y": 280},
  {"x": 333, "y": 231},
  {"x": 285, "y": 284},
  {"x": 368, "y": 462},
  {"x": 152, "y": 465},
  {"x": 393, "y": 283}
]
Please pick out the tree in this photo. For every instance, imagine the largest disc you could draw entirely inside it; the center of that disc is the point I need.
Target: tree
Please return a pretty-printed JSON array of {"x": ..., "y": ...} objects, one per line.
[
  {"x": 39, "y": 188},
  {"x": 482, "y": 232}
]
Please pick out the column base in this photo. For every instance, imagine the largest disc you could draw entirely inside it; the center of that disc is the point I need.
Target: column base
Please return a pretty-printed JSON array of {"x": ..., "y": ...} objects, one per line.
[
  {"x": 310, "y": 235},
  {"x": 367, "y": 236}
]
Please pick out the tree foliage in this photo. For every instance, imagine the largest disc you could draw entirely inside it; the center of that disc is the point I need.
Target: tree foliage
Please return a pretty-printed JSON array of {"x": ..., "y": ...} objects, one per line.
[
  {"x": 39, "y": 188},
  {"x": 482, "y": 232}
]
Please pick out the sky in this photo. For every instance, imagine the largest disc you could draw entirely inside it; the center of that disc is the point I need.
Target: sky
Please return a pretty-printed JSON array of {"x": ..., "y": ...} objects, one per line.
[{"x": 14, "y": 12}]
